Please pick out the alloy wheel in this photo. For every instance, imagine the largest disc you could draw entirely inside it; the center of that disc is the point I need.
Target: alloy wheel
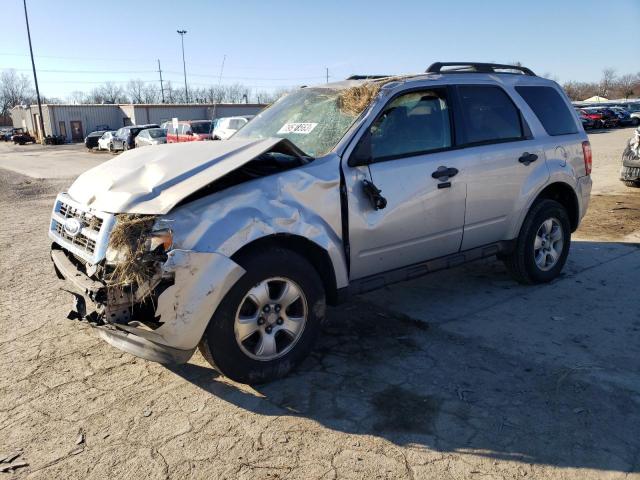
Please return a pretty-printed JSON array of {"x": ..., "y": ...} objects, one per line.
[
  {"x": 548, "y": 244},
  {"x": 271, "y": 319}
]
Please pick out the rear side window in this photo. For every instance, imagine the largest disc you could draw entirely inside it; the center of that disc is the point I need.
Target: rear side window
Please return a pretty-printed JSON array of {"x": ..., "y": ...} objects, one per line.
[
  {"x": 488, "y": 115},
  {"x": 550, "y": 109}
]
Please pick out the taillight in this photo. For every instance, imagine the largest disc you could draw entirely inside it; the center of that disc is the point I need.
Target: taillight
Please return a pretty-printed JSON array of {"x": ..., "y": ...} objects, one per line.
[{"x": 588, "y": 159}]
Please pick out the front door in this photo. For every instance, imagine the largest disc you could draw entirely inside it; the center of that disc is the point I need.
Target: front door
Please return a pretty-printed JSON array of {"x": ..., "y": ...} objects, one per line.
[
  {"x": 411, "y": 144},
  {"x": 76, "y": 131}
]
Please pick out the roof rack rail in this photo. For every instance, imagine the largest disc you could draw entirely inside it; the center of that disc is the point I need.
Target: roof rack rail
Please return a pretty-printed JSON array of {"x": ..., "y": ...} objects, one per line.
[
  {"x": 367, "y": 77},
  {"x": 475, "y": 67}
]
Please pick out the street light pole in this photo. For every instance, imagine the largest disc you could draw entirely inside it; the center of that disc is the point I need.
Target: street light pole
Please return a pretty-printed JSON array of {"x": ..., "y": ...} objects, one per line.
[
  {"x": 184, "y": 65},
  {"x": 35, "y": 77}
]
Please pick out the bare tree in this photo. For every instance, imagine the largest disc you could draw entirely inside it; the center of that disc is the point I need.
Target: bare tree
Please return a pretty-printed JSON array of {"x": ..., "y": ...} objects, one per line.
[
  {"x": 270, "y": 97},
  {"x": 151, "y": 93},
  {"x": 109, "y": 92},
  {"x": 135, "y": 90},
  {"x": 14, "y": 90},
  {"x": 607, "y": 82},
  {"x": 580, "y": 90},
  {"x": 77, "y": 97},
  {"x": 628, "y": 85}
]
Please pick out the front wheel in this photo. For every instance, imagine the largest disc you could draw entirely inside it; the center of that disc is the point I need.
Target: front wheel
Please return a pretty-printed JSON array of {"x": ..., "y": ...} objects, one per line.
[
  {"x": 269, "y": 320},
  {"x": 542, "y": 246}
]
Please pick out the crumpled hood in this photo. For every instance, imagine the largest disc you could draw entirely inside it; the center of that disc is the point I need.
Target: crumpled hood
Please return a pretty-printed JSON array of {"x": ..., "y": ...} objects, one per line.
[{"x": 152, "y": 180}]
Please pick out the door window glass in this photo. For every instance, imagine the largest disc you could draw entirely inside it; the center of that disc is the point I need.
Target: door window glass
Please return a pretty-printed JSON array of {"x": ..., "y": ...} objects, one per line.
[
  {"x": 488, "y": 115},
  {"x": 413, "y": 123}
]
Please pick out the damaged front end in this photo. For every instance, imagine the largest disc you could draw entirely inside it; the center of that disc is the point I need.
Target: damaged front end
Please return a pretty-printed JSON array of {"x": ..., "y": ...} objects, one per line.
[{"x": 144, "y": 296}]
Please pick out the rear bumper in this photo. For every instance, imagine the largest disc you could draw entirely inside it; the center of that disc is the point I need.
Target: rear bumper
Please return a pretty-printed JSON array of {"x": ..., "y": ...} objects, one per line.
[
  {"x": 584, "y": 191},
  {"x": 182, "y": 312}
]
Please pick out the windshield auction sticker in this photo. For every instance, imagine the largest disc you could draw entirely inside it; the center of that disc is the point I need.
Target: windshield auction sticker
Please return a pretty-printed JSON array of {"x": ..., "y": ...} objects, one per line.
[{"x": 302, "y": 128}]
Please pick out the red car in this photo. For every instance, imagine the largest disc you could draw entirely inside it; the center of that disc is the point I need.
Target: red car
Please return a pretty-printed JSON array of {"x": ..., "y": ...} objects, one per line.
[
  {"x": 603, "y": 118},
  {"x": 189, "y": 131}
]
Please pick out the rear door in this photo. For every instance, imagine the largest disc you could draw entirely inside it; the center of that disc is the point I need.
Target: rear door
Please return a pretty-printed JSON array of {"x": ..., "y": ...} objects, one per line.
[
  {"x": 565, "y": 135},
  {"x": 411, "y": 139},
  {"x": 501, "y": 159}
]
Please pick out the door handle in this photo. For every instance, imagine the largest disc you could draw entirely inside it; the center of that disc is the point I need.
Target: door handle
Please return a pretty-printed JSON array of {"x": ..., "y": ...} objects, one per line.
[
  {"x": 444, "y": 173},
  {"x": 528, "y": 158}
]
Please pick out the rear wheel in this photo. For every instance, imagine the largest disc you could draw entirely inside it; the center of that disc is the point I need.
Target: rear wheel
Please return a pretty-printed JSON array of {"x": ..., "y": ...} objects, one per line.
[
  {"x": 632, "y": 183},
  {"x": 269, "y": 320},
  {"x": 542, "y": 246}
]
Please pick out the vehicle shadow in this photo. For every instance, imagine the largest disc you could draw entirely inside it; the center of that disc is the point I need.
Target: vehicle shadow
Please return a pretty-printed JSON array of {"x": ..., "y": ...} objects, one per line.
[{"x": 512, "y": 381}]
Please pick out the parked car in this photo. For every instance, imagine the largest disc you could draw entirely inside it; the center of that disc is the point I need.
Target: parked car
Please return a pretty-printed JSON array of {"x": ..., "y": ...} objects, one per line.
[
  {"x": 22, "y": 136},
  {"x": 235, "y": 247},
  {"x": 587, "y": 122},
  {"x": 609, "y": 117},
  {"x": 104, "y": 142},
  {"x": 55, "y": 140},
  {"x": 124, "y": 139},
  {"x": 624, "y": 117},
  {"x": 5, "y": 134},
  {"x": 151, "y": 136},
  {"x": 189, "y": 131},
  {"x": 594, "y": 116},
  {"x": 225, "y": 127},
  {"x": 603, "y": 118},
  {"x": 91, "y": 140},
  {"x": 630, "y": 172}
]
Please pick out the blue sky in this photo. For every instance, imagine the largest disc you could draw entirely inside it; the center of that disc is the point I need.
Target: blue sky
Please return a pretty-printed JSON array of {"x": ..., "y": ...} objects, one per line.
[{"x": 287, "y": 43}]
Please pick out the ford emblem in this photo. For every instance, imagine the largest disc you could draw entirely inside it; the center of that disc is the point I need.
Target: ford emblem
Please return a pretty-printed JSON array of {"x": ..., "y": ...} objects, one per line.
[{"x": 72, "y": 226}]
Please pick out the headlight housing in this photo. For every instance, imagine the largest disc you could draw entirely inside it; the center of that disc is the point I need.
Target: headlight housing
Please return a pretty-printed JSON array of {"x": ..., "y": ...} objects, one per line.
[{"x": 159, "y": 238}]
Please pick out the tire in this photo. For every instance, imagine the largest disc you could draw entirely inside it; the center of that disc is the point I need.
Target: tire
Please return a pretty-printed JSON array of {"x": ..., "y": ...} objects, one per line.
[
  {"x": 632, "y": 183},
  {"x": 110, "y": 147},
  {"x": 273, "y": 267},
  {"x": 635, "y": 121},
  {"x": 125, "y": 146},
  {"x": 521, "y": 262}
]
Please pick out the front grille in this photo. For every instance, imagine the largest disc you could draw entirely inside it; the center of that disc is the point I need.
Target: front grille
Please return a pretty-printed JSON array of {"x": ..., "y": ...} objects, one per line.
[
  {"x": 630, "y": 173},
  {"x": 79, "y": 240},
  {"x": 90, "y": 243},
  {"x": 91, "y": 221}
]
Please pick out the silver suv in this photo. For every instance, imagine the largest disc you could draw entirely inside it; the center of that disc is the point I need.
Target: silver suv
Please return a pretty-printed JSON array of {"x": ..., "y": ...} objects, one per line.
[{"x": 235, "y": 247}]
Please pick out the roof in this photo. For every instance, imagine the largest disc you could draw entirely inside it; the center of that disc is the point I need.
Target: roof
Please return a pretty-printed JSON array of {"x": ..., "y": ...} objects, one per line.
[{"x": 151, "y": 105}]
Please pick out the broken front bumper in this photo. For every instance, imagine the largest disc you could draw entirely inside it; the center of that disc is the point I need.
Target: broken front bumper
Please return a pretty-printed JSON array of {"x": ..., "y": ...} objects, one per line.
[{"x": 182, "y": 310}]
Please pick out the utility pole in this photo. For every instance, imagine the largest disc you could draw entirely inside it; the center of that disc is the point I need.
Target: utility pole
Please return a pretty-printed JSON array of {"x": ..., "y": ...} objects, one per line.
[
  {"x": 327, "y": 69},
  {"x": 184, "y": 65},
  {"x": 213, "y": 115},
  {"x": 161, "y": 86},
  {"x": 35, "y": 77}
]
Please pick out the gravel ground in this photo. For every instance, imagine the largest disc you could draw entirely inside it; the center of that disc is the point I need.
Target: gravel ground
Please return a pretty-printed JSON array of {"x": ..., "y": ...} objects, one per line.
[{"x": 488, "y": 380}]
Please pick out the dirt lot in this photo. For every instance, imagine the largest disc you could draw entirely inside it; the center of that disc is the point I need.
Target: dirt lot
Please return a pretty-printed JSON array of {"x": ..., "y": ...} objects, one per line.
[{"x": 461, "y": 374}]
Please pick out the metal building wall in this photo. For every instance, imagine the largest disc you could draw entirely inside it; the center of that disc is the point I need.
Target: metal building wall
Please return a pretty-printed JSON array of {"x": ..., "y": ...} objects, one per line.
[
  {"x": 235, "y": 110},
  {"x": 89, "y": 115},
  {"x": 162, "y": 113}
]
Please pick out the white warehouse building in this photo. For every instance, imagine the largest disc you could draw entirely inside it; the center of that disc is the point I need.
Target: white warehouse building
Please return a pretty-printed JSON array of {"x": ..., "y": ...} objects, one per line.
[{"x": 76, "y": 121}]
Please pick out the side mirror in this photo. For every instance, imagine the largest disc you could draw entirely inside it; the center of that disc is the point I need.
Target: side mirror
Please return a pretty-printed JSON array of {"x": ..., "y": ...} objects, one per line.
[{"x": 362, "y": 154}]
